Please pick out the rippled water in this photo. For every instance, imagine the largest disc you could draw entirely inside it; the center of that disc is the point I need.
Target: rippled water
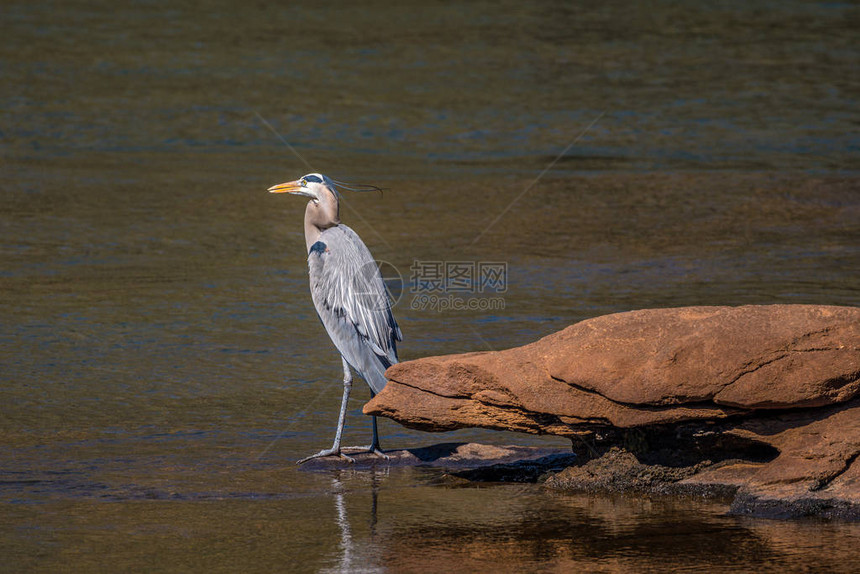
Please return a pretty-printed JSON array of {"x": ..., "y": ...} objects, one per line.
[{"x": 162, "y": 365}]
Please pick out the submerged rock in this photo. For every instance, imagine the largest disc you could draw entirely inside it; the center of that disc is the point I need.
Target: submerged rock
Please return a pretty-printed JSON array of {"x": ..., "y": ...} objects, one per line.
[
  {"x": 453, "y": 456},
  {"x": 780, "y": 465},
  {"x": 783, "y": 378}
]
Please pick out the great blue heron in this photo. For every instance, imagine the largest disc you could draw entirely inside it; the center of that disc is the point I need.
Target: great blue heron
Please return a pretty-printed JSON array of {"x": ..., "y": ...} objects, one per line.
[{"x": 349, "y": 295}]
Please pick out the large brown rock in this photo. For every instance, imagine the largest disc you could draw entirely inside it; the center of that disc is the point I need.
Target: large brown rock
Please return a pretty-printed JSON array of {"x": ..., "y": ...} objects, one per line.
[
  {"x": 778, "y": 356},
  {"x": 816, "y": 471},
  {"x": 639, "y": 368},
  {"x": 783, "y": 376}
]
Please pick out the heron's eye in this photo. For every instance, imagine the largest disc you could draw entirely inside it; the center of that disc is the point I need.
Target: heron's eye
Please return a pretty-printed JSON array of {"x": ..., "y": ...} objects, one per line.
[{"x": 304, "y": 183}]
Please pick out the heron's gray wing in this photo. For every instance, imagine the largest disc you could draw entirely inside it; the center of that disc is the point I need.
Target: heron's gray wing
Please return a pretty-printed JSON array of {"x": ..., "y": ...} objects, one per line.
[{"x": 353, "y": 304}]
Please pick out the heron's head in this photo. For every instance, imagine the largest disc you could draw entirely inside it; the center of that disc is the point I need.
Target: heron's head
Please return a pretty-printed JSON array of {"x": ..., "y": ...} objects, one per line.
[{"x": 312, "y": 185}]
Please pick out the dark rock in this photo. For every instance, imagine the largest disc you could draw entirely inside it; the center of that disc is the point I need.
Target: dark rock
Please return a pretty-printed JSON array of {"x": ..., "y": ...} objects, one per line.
[
  {"x": 529, "y": 470},
  {"x": 619, "y": 470},
  {"x": 449, "y": 456}
]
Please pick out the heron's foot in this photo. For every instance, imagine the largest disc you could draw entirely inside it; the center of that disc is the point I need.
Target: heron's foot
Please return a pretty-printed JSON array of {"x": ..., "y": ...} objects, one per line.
[
  {"x": 379, "y": 453},
  {"x": 372, "y": 449},
  {"x": 327, "y": 452}
]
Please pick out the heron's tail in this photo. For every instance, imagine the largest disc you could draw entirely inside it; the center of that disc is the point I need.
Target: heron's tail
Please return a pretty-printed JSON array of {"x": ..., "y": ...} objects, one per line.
[{"x": 375, "y": 375}]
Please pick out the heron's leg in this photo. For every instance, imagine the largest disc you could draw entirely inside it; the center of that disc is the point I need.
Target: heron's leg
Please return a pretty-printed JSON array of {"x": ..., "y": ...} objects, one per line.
[
  {"x": 335, "y": 448},
  {"x": 374, "y": 446}
]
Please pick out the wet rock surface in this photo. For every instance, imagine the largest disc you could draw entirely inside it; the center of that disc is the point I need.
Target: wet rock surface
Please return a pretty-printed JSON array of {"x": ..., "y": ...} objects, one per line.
[
  {"x": 454, "y": 456},
  {"x": 758, "y": 402}
]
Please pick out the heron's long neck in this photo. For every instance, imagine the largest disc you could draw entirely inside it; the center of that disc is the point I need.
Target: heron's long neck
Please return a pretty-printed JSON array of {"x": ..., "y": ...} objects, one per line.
[{"x": 319, "y": 216}]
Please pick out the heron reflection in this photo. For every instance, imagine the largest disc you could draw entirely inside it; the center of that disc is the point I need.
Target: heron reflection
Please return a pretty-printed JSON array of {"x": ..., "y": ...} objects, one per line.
[{"x": 351, "y": 559}]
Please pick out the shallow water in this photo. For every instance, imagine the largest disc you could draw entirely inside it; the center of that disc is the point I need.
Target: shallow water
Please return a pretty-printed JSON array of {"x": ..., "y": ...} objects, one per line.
[{"x": 162, "y": 365}]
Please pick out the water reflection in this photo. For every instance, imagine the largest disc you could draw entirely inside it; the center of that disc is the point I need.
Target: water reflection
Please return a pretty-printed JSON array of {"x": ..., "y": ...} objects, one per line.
[
  {"x": 402, "y": 523},
  {"x": 349, "y": 559},
  {"x": 346, "y": 545},
  {"x": 566, "y": 531}
]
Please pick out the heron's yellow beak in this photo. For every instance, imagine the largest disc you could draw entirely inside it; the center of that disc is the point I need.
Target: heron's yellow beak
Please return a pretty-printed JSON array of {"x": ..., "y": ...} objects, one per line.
[{"x": 289, "y": 187}]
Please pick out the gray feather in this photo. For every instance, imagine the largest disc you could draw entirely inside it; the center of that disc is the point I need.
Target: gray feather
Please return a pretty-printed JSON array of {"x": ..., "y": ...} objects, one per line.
[{"x": 353, "y": 304}]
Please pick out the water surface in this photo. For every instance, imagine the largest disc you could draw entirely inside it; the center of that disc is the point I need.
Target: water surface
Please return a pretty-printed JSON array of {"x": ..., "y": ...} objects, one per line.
[{"x": 162, "y": 365}]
